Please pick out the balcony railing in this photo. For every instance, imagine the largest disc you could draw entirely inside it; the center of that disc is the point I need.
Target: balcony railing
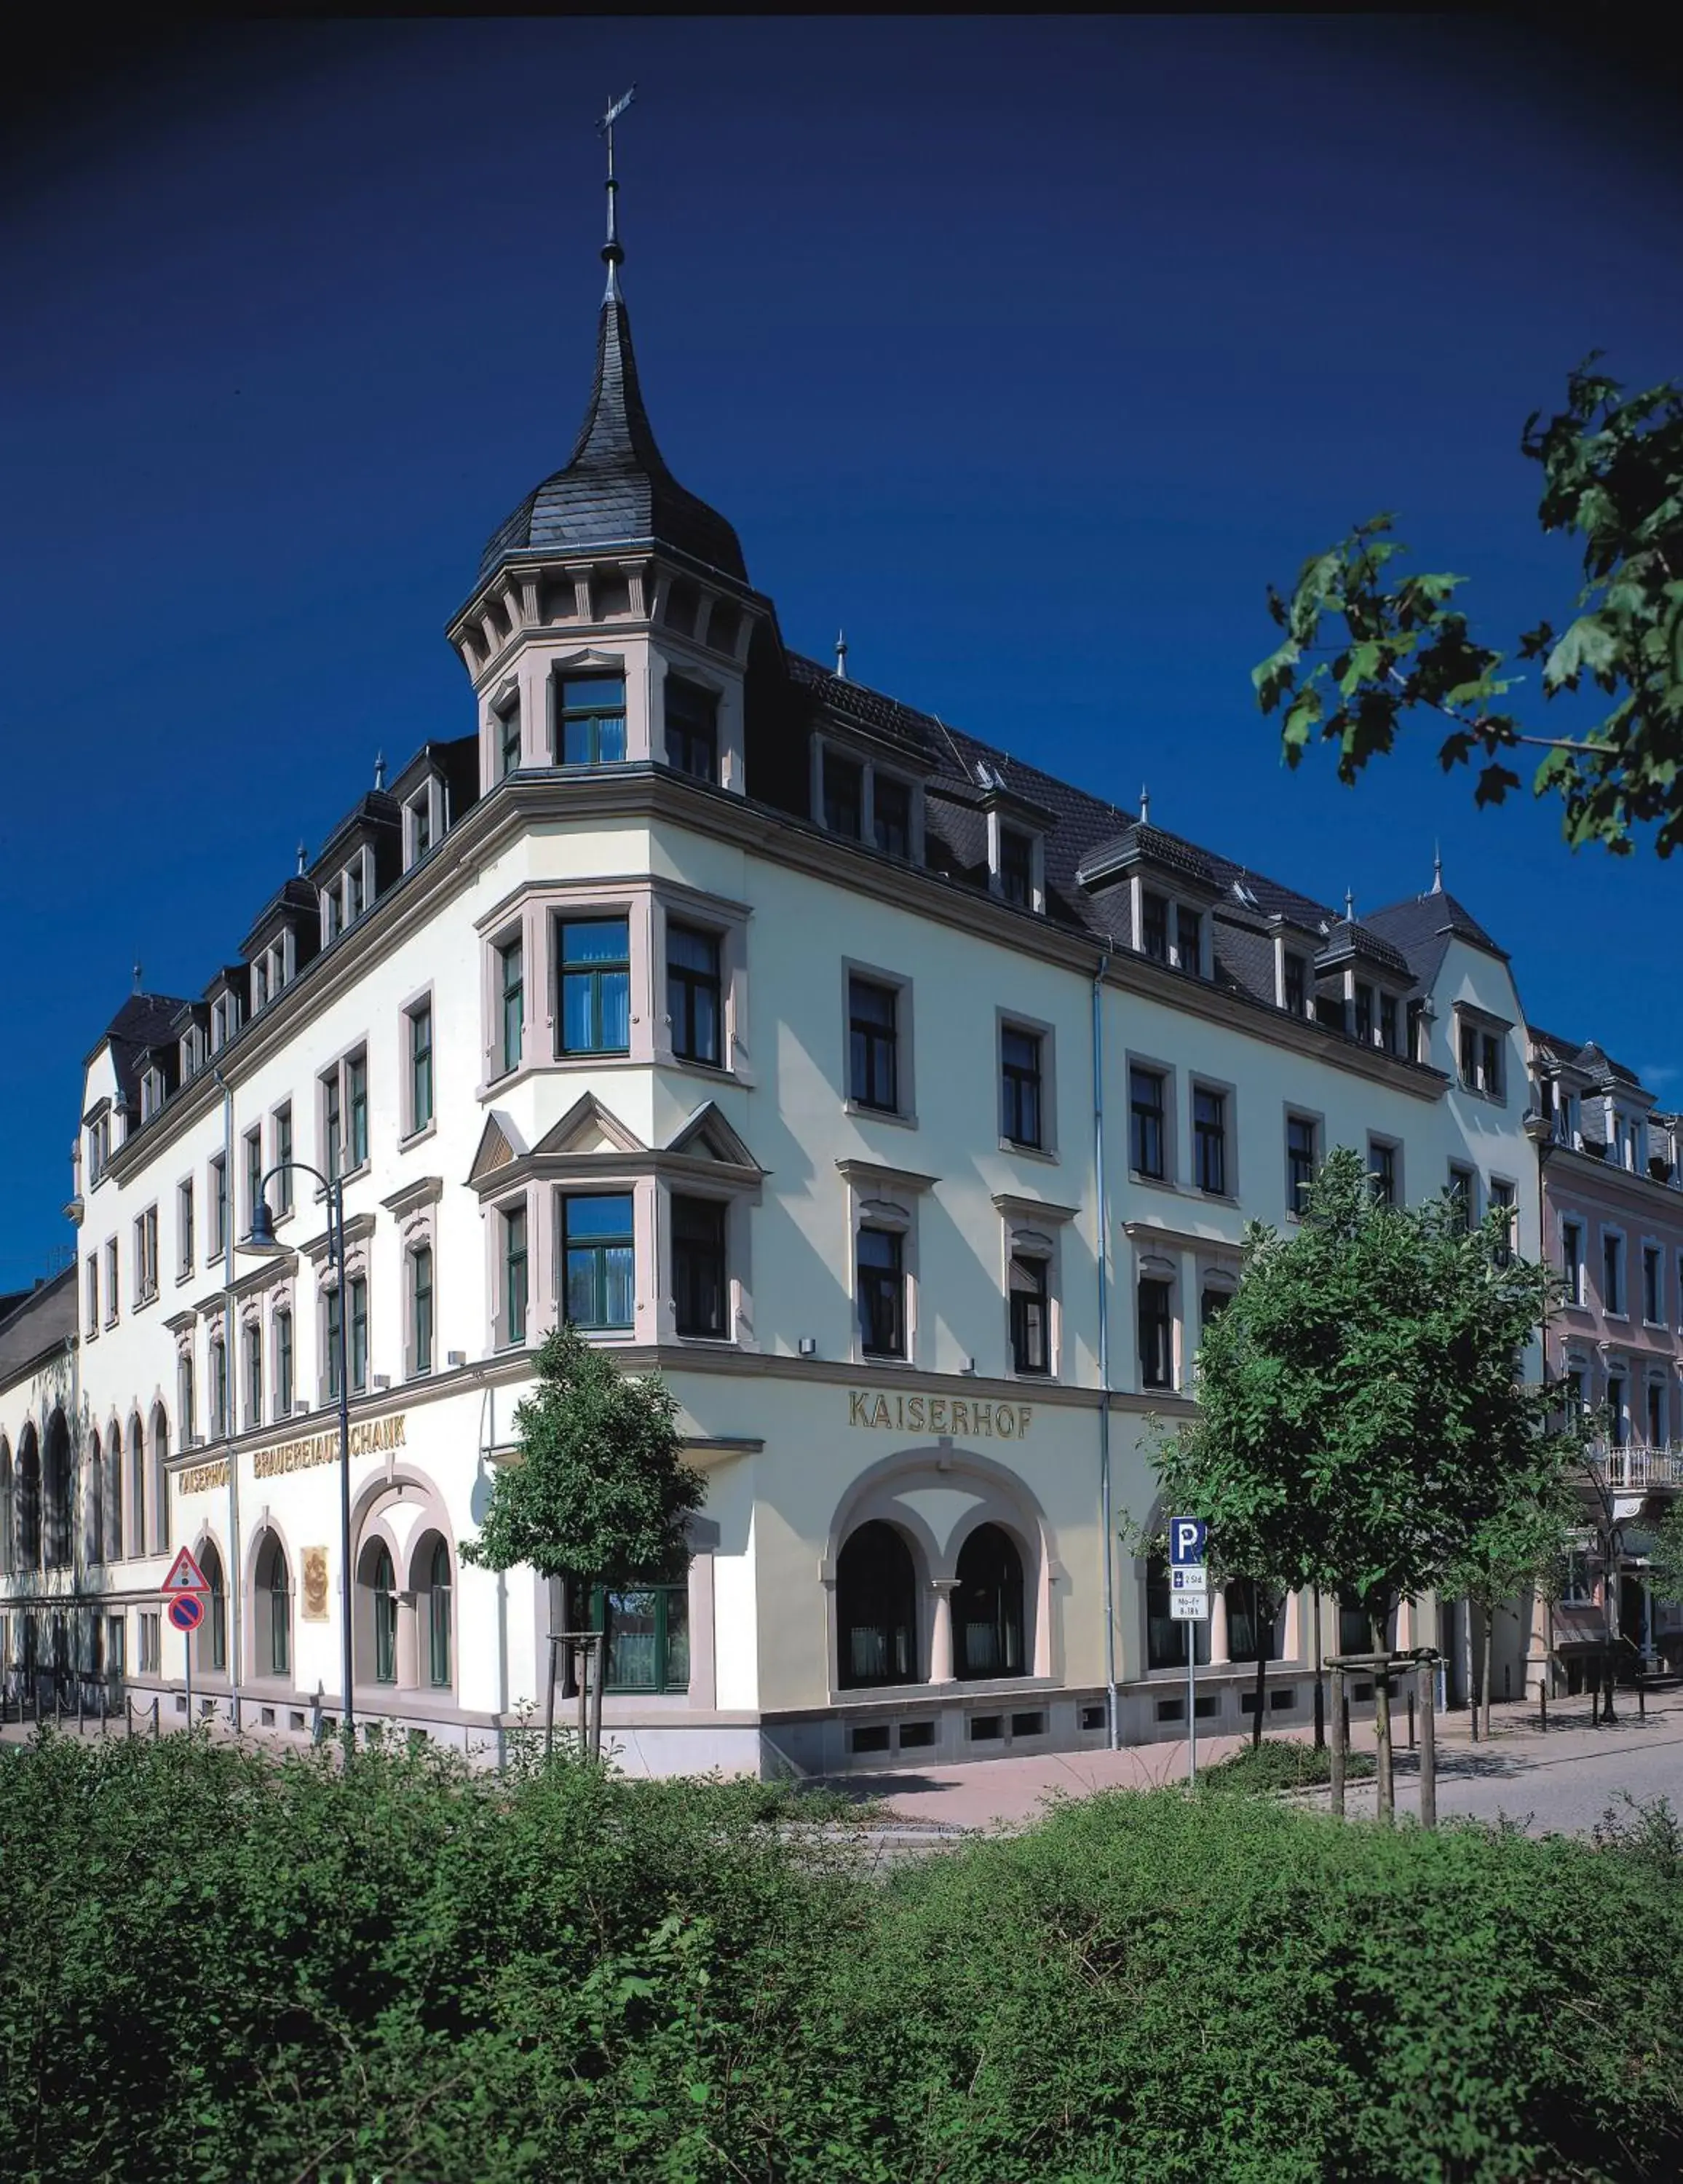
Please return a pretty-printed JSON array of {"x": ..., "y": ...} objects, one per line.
[{"x": 1638, "y": 1468}]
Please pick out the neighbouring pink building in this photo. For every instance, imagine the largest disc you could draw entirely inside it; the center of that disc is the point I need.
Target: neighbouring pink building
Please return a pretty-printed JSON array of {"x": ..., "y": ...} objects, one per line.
[{"x": 1612, "y": 1188}]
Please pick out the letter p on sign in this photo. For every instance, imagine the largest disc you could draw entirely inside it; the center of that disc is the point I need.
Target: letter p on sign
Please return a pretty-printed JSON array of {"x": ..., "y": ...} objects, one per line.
[{"x": 1186, "y": 1540}]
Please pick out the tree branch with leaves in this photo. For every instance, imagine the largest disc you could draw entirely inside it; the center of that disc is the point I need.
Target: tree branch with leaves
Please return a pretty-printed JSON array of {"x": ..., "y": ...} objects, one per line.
[{"x": 1613, "y": 475}]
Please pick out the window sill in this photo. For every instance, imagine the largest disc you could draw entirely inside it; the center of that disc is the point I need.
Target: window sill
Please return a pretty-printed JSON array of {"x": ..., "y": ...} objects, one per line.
[
  {"x": 429, "y": 1128},
  {"x": 184, "y": 1276},
  {"x": 898, "y": 1117},
  {"x": 111, "y": 1321},
  {"x": 1163, "y": 1182},
  {"x": 1216, "y": 1197},
  {"x": 869, "y": 1360},
  {"x": 1046, "y": 1153},
  {"x": 146, "y": 1297}
]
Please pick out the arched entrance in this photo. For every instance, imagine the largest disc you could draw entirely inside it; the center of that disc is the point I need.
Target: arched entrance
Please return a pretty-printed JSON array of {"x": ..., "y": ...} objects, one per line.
[
  {"x": 210, "y": 1656},
  {"x": 875, "y": 1609},
  {"x": 272, "y": 1608},
  {"x": 986, "y": 1605}
]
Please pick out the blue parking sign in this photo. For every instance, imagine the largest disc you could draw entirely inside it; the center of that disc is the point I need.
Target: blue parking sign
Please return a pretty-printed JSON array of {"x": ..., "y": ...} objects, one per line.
[{"x": 1186, "y": 1539}]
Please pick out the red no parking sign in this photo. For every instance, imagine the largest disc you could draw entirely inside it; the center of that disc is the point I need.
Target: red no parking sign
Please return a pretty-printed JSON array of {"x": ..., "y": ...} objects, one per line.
[{"x": 186, "y": 1610}]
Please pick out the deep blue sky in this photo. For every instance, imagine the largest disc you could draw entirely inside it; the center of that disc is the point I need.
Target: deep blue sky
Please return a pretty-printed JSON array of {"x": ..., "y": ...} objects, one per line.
[{"x": 1030, "y": 351}]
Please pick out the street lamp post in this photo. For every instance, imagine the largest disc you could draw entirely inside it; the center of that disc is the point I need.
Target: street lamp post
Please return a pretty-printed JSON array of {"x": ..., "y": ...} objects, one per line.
[{"x": 264, "y": 1244}]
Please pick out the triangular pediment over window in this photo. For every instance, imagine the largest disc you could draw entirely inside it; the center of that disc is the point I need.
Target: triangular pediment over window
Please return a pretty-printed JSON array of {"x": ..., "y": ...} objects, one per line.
[
  {"x": 708, "y": 1136},
  {"x": 500, "y": 1142},
  {"x": 589, "y": 1127}
]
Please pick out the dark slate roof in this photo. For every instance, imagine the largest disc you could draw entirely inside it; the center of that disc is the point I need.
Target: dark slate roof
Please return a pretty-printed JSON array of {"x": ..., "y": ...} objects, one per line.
[
  {"x": 143, "y": 1022},
  {"x": 1080, "y": 827},
  {"x": 296, "y": 898},
  {"x": 45, "y": 1321},
  {"x": 1592, "y": 1060},
  {"x": 1144, "y": 844},
  {"x": 1422, "y": 928},
  {"x": 616, "y": 489},
  {"x": 1356, "y": 939}
]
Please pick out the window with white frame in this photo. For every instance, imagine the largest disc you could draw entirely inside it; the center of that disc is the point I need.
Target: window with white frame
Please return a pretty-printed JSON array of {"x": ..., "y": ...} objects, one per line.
[
  {"x": 151, "y": 1092},
  {"x": 110, "y": 1280},
  {"x": 344, "y": 1093},
  {"x": 219, "y": 1414},
  {"x": 860, "y": 801},
  {"x": 186, "y": 1396},
  {"x": 1155, "y": 1317},
  {"x": 224, "y": 1020},
  {"x": 356, "y": 1341},
  {"x": 146, "y": 1255},
  {"x": 98, "y": 1148},
  {"x": 280, "y": 1188},
  {"x": 1612, "y": 1272},
  {"x": 1572, "y": 1260},
  {"x": 1032, "y": 1259},
  {"x": 892, "y": 801},
  {"x": 421, "y": 829},
  {"x": 193, "y": 1051},
  {"x": 1016, "y": 864},
  {"x": 1482, "y": 1042},
  {"x": 91, "y": 1280},
  {"x": 1504, "y": 1200},
  {"x": 281, "y": 1332},
  {"x": 252, "y": 1146},
  {"x": 259, "y": 984},
  {"x": 251, "y": 1343},
  {"x": 883, "y": 1225},
  {"x": 842, "y": 793}
]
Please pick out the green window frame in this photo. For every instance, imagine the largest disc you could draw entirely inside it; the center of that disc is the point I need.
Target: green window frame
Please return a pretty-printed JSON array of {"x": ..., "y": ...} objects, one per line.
[
  {"x": 419, "y": 1067},
  {"x": 599, "y": 1260},
  {"x": 595, "y": 979},
  {"x": 646, "y": 1630},
  {"x": 356, "y": 1101},
  {"x": 421, "y": 1307},
  {"x": 515, "y": 1274},
  {"x": 508, "y": 735},
  {"x": 283, "y": 1365},
  {"x": 438, "y": 1617},
  {"x": 590, "y": 720},
  {"x": 383, "y": 1586},
  {"x": 359, "y": 1358},
  {"x": 331, "y": 1334},
  {"x": 330, "y": 1124},
  {"x": 511, "y": 989}
]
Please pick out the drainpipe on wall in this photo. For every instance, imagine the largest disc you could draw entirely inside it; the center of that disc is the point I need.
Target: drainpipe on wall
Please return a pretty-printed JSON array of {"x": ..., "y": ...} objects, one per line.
[
  {"x": 1105, "y": 1524},
  {"x": 230, "y": 1376}
]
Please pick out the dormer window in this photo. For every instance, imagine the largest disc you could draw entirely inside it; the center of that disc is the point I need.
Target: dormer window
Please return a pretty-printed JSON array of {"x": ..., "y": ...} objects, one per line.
[
  {"x": 1189, "y": 940},
  {"x": 224, "y": 1020},
  {"x": 1364, "y": 1012},
  {"x": 421, "y": 826},
  {"x": 259, "y": 984},
  {"x": 590, "y": 720},
  {"x": 1297, "y": 984},
  {"x": 1479, "y": 1052},
  {"x": 332, "y": 917},
  {"x": 193, "y": 1051},
  {"x": 1154, "y": 926},
  {"x": 1016, "y": 867},
  {"x": 354, "y": 893},
  {"x": 692, "y": 730},
  {"x": 151, "y": 1093},
  {"x": 1388, "y": 1022},
  {"x": 844, "y": 795}
]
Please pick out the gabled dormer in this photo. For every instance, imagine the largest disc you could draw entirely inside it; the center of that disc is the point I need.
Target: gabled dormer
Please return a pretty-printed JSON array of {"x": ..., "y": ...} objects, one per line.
[
  {"x": 285, "y": 937},
  {"x": 1168, "y": 890},
  {"x": 226, "y": 1000},
  {"x": 359, "y": 860},
  {"x": 190, "y": 1028},
  {"x": 159, "y": 1075},
  {"x": 431, "y": 792},
  {"x": 1362, "y": 986}
]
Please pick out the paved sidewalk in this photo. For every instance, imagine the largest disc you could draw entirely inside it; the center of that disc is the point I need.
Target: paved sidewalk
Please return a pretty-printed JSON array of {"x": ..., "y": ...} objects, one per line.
[{"x": 1562, "y": 1780}]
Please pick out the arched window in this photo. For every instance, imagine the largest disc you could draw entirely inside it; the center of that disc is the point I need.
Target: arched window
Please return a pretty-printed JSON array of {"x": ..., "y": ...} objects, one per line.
[
  {"x": 94, "y": 1506},
  {"x": 58, "y": 1484},
  {"x": 29, "y": 1501},
  {"x": 382, "y": 1586},
  {"x": 1165, "y": 1638},
  {"x": 213, "y": 1632},
  {"x": 986, "y": 1605},
  {"x": 137, "y": 1496},
  {"x": 875, "y": 1609},
  {"x": 158, "y": 1485},
  {"x": 8, "y": 1543},
  {"x": 1245, "y": 1609},
  {"x": 274, "y": 1608},
  {"x": 113, "y": 1493},
  {"x": 439, "y": 1615}
]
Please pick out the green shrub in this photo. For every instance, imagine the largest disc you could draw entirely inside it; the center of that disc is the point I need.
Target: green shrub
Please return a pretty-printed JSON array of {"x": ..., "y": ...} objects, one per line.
[
  {"x": 216, "y": 1967},
  {"x": 1282, "y": 1763}
]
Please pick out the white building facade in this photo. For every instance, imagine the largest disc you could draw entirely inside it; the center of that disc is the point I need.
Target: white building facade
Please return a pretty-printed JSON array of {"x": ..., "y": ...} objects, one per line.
[{"x": 900, "y": 1104}]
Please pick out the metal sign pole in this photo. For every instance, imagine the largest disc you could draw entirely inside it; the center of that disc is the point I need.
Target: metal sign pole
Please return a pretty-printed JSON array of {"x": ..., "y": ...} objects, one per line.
[
  {"x": 1191, "y": 1706},
  {"x": 186, "y": 1639}
]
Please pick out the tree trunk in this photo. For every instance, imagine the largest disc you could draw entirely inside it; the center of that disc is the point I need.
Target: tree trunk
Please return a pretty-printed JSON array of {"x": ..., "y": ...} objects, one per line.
[
  {"x": 1384, "y": 1784},
  {"x": 1261, "y": 1662},
  {"x": 1489, "y": 1647},
  {"x": 1320, "y": 1672}
]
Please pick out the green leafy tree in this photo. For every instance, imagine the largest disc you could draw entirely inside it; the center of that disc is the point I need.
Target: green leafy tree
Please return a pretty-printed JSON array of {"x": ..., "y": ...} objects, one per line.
[
  {"x": 1613, "y": 474},
  {"x": 1521, "y": 1544},
  {"x": 598, "y": 1492},
  {"x": 1665, "y": 1555},
  {"x": 1361, "y": 1413}
]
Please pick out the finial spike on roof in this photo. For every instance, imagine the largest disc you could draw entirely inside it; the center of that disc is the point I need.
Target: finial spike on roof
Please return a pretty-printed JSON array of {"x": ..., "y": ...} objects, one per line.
[
  {"x": 303, "y": 859},
  {"x": 1349, "y": 905},
  {"x": 379, "y": 769},
  {"x": 612, "y": 256},
  {"x": 841, "y": 655},
  {"x": 137, "y": 978},
  {"x": 1145, "y": 805},
  {"x": 1437, "y": 868}
]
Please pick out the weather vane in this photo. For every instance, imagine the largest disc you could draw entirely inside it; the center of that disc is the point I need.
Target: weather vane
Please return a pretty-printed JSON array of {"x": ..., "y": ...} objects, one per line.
[{"x": 612, "y": 254}]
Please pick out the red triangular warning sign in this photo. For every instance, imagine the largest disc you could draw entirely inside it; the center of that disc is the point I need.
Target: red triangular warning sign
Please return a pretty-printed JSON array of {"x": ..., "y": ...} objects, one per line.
[{"x": 185, "y": 1576}]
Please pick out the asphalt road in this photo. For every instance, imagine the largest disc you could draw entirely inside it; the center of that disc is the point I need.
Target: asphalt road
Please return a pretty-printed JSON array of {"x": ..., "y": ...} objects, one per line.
[{"x": 1559, "y": 1789}]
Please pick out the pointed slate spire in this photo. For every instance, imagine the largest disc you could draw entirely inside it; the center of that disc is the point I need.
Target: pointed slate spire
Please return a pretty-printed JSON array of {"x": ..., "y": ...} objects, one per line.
[
  {"x": 379, "y": 769},
  {"x": 1437, "y": 869},
  {"x": 617, "y": 490},
  {"x": 841, "y": 655},
  {"x": 1350, "y": 906}
]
